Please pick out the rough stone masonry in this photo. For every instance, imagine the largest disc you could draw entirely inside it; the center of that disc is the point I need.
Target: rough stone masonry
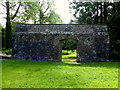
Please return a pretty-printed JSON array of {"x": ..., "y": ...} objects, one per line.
[{"x": 43, "y": 42}]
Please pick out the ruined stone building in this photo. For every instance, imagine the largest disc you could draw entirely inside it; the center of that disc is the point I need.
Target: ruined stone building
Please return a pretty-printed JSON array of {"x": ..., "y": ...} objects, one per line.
[{"x": 43, "y": 42}]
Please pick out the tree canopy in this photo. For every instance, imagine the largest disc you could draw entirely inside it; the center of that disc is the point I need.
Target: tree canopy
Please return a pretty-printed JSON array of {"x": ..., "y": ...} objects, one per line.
[
  {"x": 100, "y": 13},
  {"x": 23, "y": 12},
  {"x": 34, "y": 12}
]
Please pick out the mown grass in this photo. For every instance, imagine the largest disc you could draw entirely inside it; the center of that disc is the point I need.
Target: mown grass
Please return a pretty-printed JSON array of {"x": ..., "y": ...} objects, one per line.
[
  {"x": 68, "y": 55},
  {"x": 0, "y": 74},
  {"x": 38, "y": 74}
]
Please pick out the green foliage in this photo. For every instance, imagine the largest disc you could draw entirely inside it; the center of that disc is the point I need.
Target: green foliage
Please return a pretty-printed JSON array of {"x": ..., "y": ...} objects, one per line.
[
  {"x": 38, "y": 13},
  {"x": 100, "y": 13},
  {"x": 24, "y": 12},
  {"x": 3, "y": 37},
  {"x": 114, "y": 31},
  {"x": 38, "y": 74},
  {"x": 0, "y": 36},
  {"x": 69, "y": 44},
  {"x": 8, "y": 36},
  {"x": 83, "y": 12},
  {"x": 8, "y": 33},
  {"x": 0, "y": 28},
  {"x": 29, "y": 12},
  {"x": 54, "y": 18},
  {"x": 7, "y": 51}
]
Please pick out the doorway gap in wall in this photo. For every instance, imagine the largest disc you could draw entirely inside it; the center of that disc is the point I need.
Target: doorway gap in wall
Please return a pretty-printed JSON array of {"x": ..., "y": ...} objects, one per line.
[{"x": 69, "y": 50}]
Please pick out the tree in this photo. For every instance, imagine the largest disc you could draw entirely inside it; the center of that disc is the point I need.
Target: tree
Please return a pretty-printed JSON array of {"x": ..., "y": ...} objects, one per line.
[
  {"x": 35, "y": 12},
  {"x": 100, "y": 13},
  {"x": 0, "y": 36},
  {"x": 54, "y": 18},
  {"x": 92, "y": 12},
  {"x": 69, "y": 44},
  {"x": 46, "y": 13},
  {"x": 27, "y": 13},
  {"x": 8, "y": 34},
  {"x": 38, "y": 13}
]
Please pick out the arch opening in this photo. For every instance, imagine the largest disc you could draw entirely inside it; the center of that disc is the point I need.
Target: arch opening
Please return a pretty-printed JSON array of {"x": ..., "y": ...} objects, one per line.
[{"x": 68, "y": 50}]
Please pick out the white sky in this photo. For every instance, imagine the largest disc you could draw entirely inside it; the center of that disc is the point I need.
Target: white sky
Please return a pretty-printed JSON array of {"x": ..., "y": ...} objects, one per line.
[
  {"x": 2, "y": 20},
  {"x": 61, "y": 8}
]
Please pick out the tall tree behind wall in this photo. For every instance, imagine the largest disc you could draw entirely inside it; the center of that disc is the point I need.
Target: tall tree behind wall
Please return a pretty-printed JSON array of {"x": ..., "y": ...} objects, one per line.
[
  {"x": 24, "y": 12},
  {"x": 91, "y": 12},
  {"x": 114, "y": 30},
  {"x": 100, "y": 13},
  {"x": 38, "y": 13},
  {"x": 8, "y": 34},
  {"x": 8, "y": 27}
]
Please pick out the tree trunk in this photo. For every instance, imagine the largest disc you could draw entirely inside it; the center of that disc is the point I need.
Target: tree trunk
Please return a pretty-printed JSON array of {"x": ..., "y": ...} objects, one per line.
[
  {"x": 101, "y": 13},
  {"x": 105, "y": 12}
]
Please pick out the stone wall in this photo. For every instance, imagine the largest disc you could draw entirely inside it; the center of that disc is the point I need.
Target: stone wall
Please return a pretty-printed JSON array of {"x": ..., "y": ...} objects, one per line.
[{"x": 43, "y": 42}]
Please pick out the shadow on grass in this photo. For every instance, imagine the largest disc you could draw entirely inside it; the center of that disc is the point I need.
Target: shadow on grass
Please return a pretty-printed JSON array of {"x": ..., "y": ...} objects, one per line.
[
  {"x": 96, "y": 64},
  {"x": 72, "y": 57},
  {"x": 22, "y": 63}
]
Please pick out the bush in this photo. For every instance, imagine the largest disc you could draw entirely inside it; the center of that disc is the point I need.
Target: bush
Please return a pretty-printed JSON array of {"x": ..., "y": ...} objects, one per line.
[
  {"x": 69, "y": 44},
  {"x": 7, "y": 51}
]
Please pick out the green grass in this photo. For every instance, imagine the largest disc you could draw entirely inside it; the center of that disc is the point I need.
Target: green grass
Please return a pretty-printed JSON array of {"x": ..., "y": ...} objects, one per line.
[
  {"x": 38, "y": 74},
  {"x": 71, "y": 55}
]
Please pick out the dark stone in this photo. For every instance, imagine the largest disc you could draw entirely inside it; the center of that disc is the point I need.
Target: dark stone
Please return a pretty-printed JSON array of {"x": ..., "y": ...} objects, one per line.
[{"x": 43, "y": 42}]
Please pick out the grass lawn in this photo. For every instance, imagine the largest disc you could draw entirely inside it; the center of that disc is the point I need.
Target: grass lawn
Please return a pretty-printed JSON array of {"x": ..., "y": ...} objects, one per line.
[
  {"x": 38, "y": 74},
  {"x": 69, "y": 55}
]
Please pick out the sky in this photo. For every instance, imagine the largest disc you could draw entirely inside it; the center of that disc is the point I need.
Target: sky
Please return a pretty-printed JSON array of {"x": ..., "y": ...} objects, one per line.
[
  {"x": 2, "y": 20},
  {"x": 61, "y": 8}
]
